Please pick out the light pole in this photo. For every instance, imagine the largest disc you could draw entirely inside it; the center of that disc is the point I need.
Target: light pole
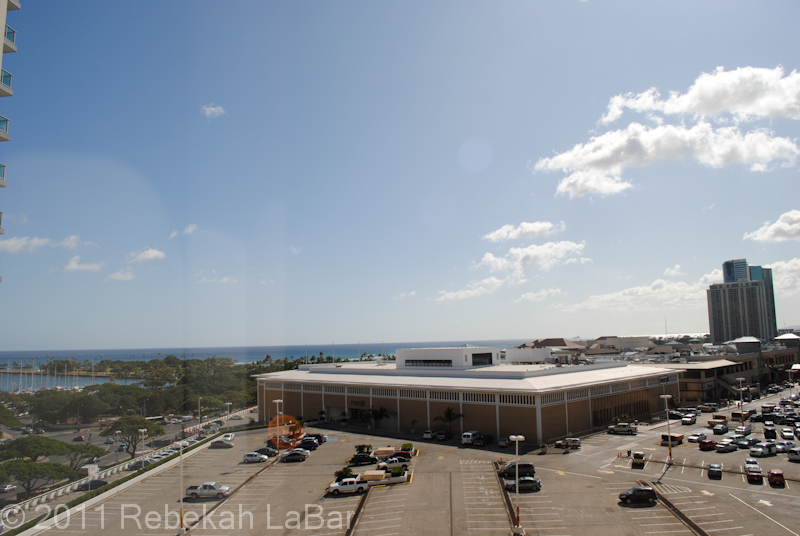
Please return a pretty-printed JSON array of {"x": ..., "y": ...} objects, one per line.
[
  {"x": 116, "y": 445},
  {"x": 741, "y": 398},
  {"x": 516, "y": 439},
  {"x": 669, "y": 443},
  {"x": 229, "y": 408},
  {"x": 142, "y": 432},
  {"x": 278, "y": 406},
  {"x": 199, "y": 413}
]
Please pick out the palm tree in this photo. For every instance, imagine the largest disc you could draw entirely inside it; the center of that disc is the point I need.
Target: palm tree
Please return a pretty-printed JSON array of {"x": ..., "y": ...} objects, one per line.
[
  {"x": 378, "y": 415},
  {"x": 775, "y": 370},
  {"x": 448, "y": 417}
]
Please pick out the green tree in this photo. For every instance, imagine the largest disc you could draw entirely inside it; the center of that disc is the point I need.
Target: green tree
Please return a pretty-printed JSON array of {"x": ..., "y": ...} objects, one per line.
[
  {"x": 34, "y": 447},
  {"x": 31, "y": 475},
  {"x": 343, "y": 473},
  {"x": 448, "y": 417},
  {"x": 378, "y": 415},
  {"x": 80, "y": 454},
  {"x": 7, "y": 417},
  {"x": 129, "y": 431}
]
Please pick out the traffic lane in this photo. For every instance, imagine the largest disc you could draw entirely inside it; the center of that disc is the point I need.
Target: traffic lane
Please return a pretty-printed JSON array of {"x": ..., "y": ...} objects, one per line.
[{"x": 159, "y": 495}]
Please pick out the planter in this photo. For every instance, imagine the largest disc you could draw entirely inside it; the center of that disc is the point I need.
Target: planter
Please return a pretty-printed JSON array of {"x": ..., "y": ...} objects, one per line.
[{"x": 542, "y": 451}]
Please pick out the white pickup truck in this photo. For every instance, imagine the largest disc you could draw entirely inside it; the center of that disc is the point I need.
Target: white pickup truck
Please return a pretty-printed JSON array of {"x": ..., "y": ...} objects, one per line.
[
  {"x": 348, "y": 485},
  {"x": 622, "y": 428},
  {"x": 208, "y": 489}
]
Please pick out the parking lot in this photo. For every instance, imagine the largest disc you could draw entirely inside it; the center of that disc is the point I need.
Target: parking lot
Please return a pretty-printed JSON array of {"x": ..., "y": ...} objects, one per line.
[{"x": 455, "y": 491}]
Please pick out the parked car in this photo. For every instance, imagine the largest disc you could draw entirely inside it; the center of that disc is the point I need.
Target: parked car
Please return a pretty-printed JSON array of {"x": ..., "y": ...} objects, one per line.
[
  {"x": 715, "y": 470},
  {"x": 482, "y": 440},
  {"x": 402, "y": 454},
  {"x": 568, "y": 443},
  {"x": 784, "y": 446},
  {"x": 747, "y": 442},
  {"x": 321, "y": 438},
  {"x": 503, "y": 442},
  {"x": 390, "y": 463},
  {"x": 428, "y": 434},
  {"x": 770, "y": 432},
  {"x": 743, "y": 430},
  {"x": 787, "y": 433},
  {"x": 793, "y": 455},
  {"x": 775, "y": 478},
  {"x": 726, "y": 446},
  {"x": 751, "y": 462},
  {"x": 689, "y": 420},
  {"x": 140, "y": 464},
  {"x": 360, "y": 458},
  {"x": 764, "y": 449},
  {"x": 638, "y": 494},
  {"x": 228, "y": 436},
  {"x": 309, "y": 444},
  {"x": 696, "y": 437},
  {"x": 443, "y": 436},
  {"x": 707, "y": 444},
  {"x": 267, "y": 451},
  {"x": 509, "y": 470},
  {"x": 293, "y": 456},
  {"x": 720, "y": 429},
  {"x": 95, "y": 483},
  {"x": 109, "y": 441},
  {"x": 526, "y": 483},
  {"x": 254, "y": 457},
  {"x": 208, "y": 489},
  {"x": 221, "y": 444},
  {"x": 754, "y": 474}
]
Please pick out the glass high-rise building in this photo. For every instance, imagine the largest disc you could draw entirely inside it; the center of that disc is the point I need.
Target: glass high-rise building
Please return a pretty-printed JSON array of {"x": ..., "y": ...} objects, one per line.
[{"x": 744, "y": 304}]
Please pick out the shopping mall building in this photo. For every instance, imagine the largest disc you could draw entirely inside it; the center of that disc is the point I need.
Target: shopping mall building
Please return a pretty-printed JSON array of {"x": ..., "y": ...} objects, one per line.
[{"x": 526, "y": 395}]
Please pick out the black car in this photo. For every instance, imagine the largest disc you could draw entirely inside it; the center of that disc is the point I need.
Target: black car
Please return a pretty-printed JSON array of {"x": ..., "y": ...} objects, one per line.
[
  {"x": 638, "y": 494},
  {"x": 308, "y": 445},
  {"x": 483, "y": 440},
  {"x": 92, "y": 484},
  {"x": 509, "y": 470},
  {"x": 319, "y": 437},
  {"x": 267, "y": 451},
  {"x": 360, "y": 458},
  {"x": 293, "y": 456},
  {"x": 715, "y": 470}
]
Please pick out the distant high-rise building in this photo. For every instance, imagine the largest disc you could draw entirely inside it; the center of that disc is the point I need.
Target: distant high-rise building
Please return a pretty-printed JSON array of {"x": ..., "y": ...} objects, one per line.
[
  {"x": 736, "y": 270},
  {"x": 743, "y": 305},
  {"x": 9, "y": 45}
]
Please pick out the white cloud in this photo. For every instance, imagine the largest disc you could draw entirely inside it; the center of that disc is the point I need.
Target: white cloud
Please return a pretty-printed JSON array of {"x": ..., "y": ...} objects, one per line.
[
  {"x": 404, "y": 295},
  {"x": 575, "y": 260},
  {"x": 224, "y": 280},
  {"x": 539, "y": 296},
  {"x": 189, "y": 230},
  {"x": 148, "y": 254},
  {"x": 744, "y": 93},
  {"x": 74, "y": 265},
  {"x": 785, "y": 276},
  {"x": 661, "y": 294},
  {"x": 126, "y": 274},
  {"x": 675, "y": 270},
  {"x": 786, "y": 228},
  {"x": 473, "y": 290},
  {"x": 596, "y": 167},
  {"x": 295, "y": 250},
  {"x": 23, "y": 244},
  {"x": 544, "y": 256},
  {"x": 212, "y": 110},
  {"x": 525, "y": 230}
]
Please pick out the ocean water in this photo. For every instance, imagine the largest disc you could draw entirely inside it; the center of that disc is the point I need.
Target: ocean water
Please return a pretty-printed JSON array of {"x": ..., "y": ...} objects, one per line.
[{"x": 240, "y": 354}]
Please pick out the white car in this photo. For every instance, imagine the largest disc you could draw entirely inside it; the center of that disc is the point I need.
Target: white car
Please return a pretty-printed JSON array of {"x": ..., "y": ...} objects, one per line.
[
  {"x": 255, "y": 457},
  {"x": 391, "y": 463},
  {"x": 228, "y": 436},
  {"x": 784, "y": 446},
  {"x": 428, "y": 434},
  {"x": 697, "y": 437},
  {"x": 787, "y": 433},
  {"x": 237, "y": 418}
]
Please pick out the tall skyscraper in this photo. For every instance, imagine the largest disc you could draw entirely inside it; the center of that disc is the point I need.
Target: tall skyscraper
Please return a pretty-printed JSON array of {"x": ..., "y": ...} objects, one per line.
[
  {"x": 9, "y": 45},
  {"x": 743, "y": 305},
  {"x": 736, "y": 270}
]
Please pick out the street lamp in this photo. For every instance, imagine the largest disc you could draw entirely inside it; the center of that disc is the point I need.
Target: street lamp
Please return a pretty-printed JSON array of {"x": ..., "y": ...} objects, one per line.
[
  {"x": 116, "y": 444},
  {"x": 278, "y": 406},
  {"x": 666, "y": 408},
  {"x": 142, "y": 432},
  {"x": 516, "y": 439},
  {"x": 229, "y": 408},
  {"x": 199, "y": 411},
  {"x": 741, "y": 400}
]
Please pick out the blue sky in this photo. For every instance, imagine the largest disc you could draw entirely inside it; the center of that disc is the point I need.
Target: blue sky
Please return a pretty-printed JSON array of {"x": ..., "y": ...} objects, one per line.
[{"x": 258, "y": 173}]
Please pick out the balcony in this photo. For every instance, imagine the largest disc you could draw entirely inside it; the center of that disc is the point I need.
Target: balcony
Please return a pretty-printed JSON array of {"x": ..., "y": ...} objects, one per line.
[
  {"x": 5, "y": 84},
  {"x": 10, "y": 41},
  {"x": 1, "y": 223},
  {"x": 4, "y": 129},
  {"x": 12, "y": 5},
  {"x": 2, "y": 175}
]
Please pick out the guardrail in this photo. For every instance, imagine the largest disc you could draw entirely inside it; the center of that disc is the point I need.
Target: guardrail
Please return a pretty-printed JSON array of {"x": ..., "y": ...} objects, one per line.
[{"x": 27, "y": 504}]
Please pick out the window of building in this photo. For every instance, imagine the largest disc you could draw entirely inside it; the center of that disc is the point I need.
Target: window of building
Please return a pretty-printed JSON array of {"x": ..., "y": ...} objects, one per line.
[
  {"x": 480, "y": 360},
  {"x": 429, "y": 362}
]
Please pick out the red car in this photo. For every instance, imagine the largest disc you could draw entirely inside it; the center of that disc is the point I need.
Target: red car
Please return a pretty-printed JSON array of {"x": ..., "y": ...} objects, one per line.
[
  {"x": 405, "y": 455},
  {"x": 708, "y": 444},
  {"x": 79, "y": 438}
]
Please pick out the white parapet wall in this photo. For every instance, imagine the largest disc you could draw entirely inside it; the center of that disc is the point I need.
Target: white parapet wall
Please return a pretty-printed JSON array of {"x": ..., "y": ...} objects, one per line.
[{"x": 528, "y": 355}]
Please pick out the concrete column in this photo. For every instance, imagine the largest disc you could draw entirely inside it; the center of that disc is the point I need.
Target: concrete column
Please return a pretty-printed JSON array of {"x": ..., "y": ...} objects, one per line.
[
  {"x": 538, "y": 419},
  {"x": 497, "y": 415},
  {"x": 428, "y": 407}
]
